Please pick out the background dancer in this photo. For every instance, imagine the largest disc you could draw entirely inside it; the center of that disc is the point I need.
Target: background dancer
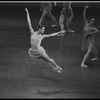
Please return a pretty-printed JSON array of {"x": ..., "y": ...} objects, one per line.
[
  {"x": 66, "y": 14},
  {"x": 46, "y": 9},
  {"x": 88, "y": 39}
]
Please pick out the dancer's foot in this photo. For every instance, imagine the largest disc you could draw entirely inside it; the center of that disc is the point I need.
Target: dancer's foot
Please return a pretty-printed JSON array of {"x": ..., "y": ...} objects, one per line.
[
  {"x": 83, "y": 65},
  {"x": 72, "y": 31},
  {"x": 58, "y": 69},
  {"x": 82, "y": 49},
  {"x": 54, "y": 25},
  {"x": 62, "y": 34},
  {"x": 95, "y": 59}
]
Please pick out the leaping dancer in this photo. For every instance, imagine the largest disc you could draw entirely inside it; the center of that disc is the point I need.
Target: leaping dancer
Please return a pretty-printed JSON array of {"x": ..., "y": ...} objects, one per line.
[{"x": 36, "y": 49}]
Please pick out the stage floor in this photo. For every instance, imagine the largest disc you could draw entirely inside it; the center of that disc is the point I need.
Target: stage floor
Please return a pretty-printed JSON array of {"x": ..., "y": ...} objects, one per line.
[{"x": 24, "y": 77}]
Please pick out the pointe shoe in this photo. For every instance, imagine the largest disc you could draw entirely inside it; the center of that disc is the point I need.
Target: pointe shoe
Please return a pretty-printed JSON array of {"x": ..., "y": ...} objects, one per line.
[{"x": 83, "y": 65}]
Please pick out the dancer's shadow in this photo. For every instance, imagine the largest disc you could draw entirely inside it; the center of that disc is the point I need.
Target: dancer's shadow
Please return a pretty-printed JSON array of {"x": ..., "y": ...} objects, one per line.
[
  {"x": 37, "y": 72},
  {"x": 39, "y": 92}
]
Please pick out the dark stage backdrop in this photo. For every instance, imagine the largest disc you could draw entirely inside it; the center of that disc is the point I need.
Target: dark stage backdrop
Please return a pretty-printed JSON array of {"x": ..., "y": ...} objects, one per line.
[{"x": 13, "y": 24}]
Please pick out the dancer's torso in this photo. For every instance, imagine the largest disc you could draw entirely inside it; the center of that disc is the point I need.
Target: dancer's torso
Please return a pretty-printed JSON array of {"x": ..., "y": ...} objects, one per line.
[
  {"x": 88, "y": 39},
  {"x": 46, "y": 6},
  {"x": 36, "y": 41},
  {"x": 87, "y": 29},
  {"x": 66, "y": 11}
]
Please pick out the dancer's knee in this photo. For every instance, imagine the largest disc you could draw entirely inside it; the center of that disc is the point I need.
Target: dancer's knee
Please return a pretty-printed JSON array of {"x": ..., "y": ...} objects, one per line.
[
  {"x": 60, "y": 22},
  {"x": 61, "y": 19},
  {"x": 89, "y": 51},
  {"x": 94, "y": 50},
  {"x": 29, "y": 52},
  {"x": 51, "y": 60}
]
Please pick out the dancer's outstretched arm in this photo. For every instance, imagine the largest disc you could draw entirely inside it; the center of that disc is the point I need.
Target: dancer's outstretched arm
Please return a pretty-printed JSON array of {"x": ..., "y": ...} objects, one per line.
[
  {"x": 54, "y": 34},
  {"x": 29, "y": 21},
  {"x": 91, "y": 33},
  {"x": 95, "y": 31},
  {"x": 84, "y": 15}
]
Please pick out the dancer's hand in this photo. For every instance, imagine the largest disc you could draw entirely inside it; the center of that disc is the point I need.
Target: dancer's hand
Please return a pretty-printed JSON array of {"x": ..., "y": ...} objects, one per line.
[
  {"x": 62, "y": 33},
  {"x": 87, "y": 35},
  {"x": 55, "y": 4},
  {"x": 87, "y": 6},
  {"x": 26, "y": 9},
  {"x": 98, "y": 30}
]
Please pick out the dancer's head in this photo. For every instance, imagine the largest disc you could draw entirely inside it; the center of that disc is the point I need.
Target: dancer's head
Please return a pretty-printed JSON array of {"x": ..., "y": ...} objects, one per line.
[
  {"x": 41, "y": 30},
  {"x": 91, "y": 21}
]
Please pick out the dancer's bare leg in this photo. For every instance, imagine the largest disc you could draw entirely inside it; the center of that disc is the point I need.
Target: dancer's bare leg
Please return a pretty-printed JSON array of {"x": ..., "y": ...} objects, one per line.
[
  {"x": 94, "y": 51},
  {"x": 61, "y": 23},
  {"x": 53, "y": 19},
  {"x": 42, "y": 17},
  {"x": 82, "y": 48},
  {"x": 61, "y": 20},
  {"x": 45, "y": 57},
  {"x": 86, "y": 56},
  {"x": 68, "y": 24}
]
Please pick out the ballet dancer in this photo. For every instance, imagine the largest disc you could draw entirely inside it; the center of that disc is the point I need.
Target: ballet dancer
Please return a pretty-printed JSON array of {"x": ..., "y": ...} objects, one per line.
[
  {"x": 88, "y": 39},
  {"x": 66, "y": 14},
  {"x": 46, "y": 9},
  {"x": 36, "y": 49}
]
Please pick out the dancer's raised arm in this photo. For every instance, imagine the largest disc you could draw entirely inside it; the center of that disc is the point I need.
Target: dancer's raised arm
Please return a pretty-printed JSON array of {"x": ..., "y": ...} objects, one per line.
[
  {"x": 29, "y": 21},
  {"x": 84, "y": 15}
]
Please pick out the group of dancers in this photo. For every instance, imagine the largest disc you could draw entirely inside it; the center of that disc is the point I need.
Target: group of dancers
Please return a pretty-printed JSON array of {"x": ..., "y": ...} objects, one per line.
[{"x": 36, "y": 38}]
